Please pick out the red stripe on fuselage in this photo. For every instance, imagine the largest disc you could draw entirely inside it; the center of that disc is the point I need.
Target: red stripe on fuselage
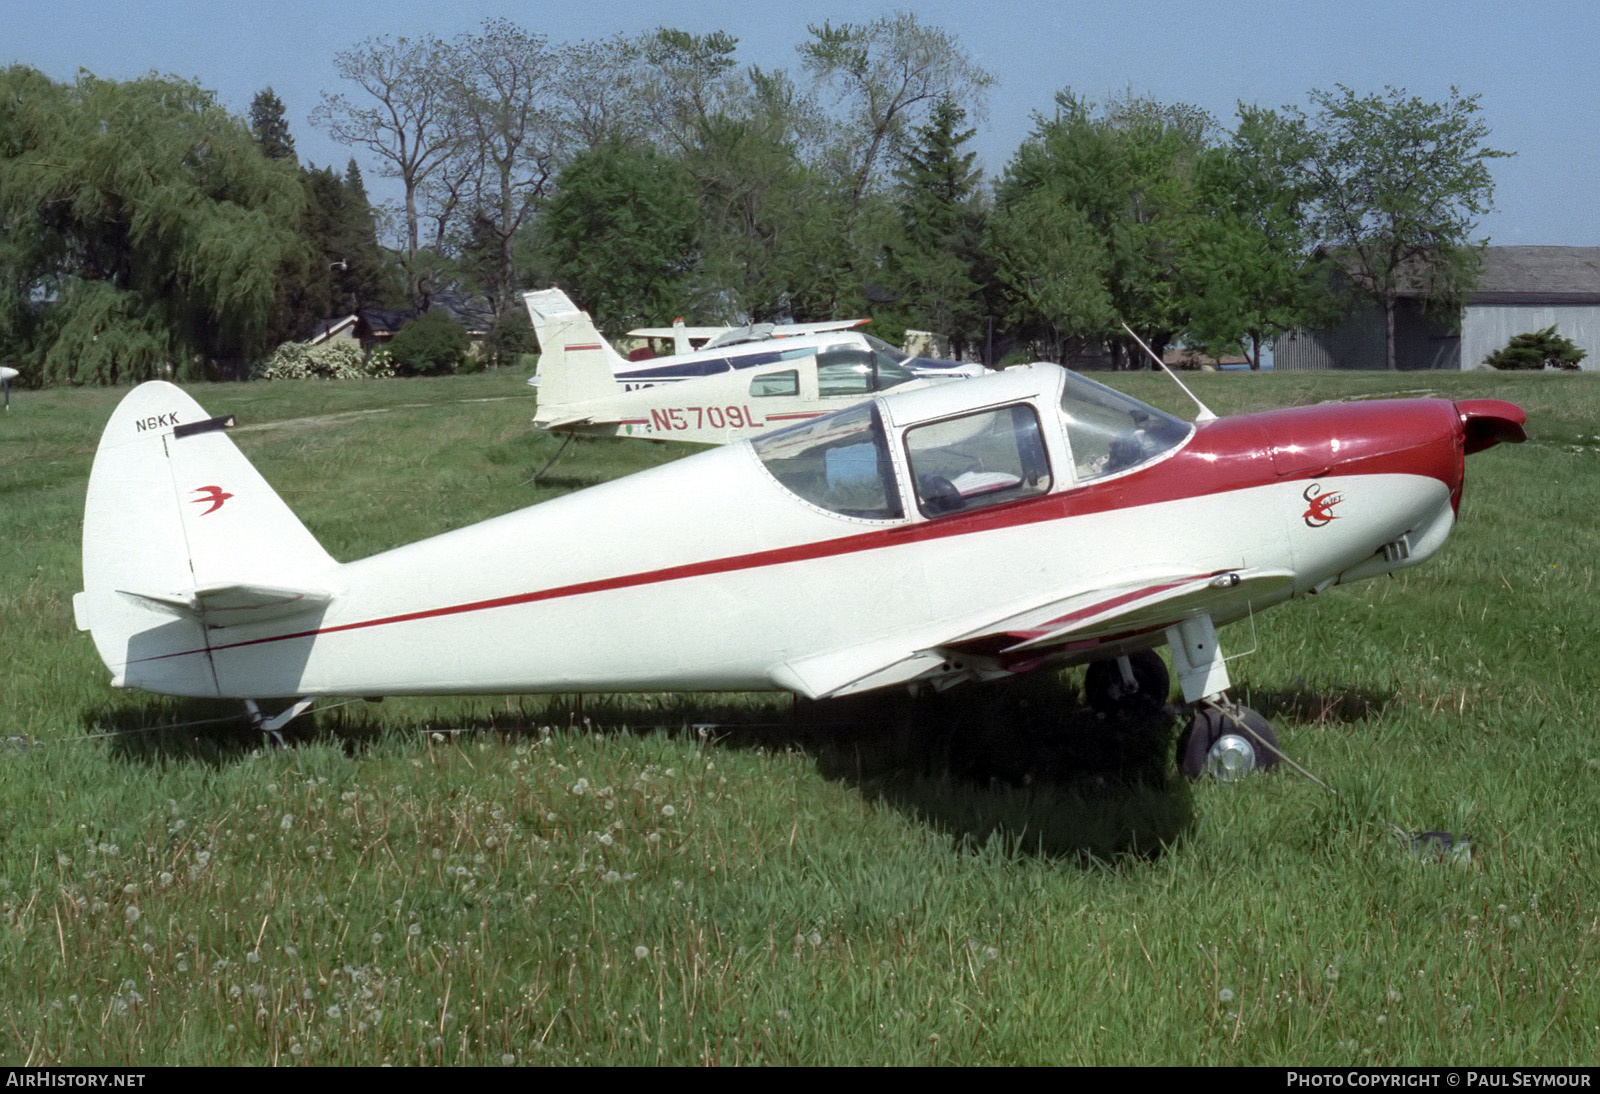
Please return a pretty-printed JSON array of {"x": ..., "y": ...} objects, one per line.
[{"x": 1228, "y": 454}]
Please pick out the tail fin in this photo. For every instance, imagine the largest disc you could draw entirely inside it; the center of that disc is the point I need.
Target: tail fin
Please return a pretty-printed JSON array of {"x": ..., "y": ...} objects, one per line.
[
  {"x": 183, "y": 537},
  {"x": 576, "y": 364}
]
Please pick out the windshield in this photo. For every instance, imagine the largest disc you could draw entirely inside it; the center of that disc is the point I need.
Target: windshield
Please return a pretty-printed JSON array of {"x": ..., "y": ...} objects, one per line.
[
  {"x": 839, "y": 462},
  {"x": 1111, "y": 432}
]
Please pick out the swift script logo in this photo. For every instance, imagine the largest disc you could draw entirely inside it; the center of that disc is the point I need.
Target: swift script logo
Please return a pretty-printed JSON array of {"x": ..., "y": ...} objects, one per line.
[
  {"x": 1320, "y": 511},
  {"x": 216, "y": 495}
]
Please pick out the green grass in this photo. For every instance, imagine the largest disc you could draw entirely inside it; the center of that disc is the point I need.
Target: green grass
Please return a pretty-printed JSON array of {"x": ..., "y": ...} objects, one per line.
[{"x": 737, "y": 879}]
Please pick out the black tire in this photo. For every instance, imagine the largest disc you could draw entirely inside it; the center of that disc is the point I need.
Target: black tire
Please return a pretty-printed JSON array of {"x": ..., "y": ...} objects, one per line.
[
  {"x": 1209, "y": 725},
  {"x": 1106, "y": 693}
]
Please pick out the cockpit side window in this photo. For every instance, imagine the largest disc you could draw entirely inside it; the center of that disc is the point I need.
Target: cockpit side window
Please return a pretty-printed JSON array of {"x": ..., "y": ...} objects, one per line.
[
  {"x": 766, "y": 384},
  {"x": 978, "y": 460},
  {"x": 838, "y": 462},
  {"x": 1111, "y": 432},
  {"x": 852, "y": 370}
]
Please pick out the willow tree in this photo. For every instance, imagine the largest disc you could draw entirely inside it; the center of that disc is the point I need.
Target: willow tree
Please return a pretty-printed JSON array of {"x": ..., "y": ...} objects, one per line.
[{"x": 144, "y": 230}]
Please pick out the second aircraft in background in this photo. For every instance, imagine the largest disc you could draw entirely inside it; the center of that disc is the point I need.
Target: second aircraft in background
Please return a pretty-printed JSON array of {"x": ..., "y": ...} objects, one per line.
[{"x": 714, "y": 395}]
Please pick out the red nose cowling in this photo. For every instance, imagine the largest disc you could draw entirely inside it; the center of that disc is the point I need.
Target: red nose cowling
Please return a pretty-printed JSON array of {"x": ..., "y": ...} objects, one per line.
[{"x": 1487, "y": 422}]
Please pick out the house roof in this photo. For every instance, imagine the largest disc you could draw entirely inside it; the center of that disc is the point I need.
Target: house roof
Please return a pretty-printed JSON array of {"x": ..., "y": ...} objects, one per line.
[
  {"x": 1538, "y": 275},
  {"x": 328, "y": 328}
]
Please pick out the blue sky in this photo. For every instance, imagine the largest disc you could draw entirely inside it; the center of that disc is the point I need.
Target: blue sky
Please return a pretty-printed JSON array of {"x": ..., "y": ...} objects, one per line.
[{"x": 1533, "y": 64}]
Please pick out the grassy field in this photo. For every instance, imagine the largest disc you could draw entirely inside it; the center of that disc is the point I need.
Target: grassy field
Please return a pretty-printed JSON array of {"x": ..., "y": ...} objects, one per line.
[{"x": 740, "y": 879}]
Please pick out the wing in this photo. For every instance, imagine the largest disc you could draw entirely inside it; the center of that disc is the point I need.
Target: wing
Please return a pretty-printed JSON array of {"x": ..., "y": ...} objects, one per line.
[{"x": 1078, "y": 623}]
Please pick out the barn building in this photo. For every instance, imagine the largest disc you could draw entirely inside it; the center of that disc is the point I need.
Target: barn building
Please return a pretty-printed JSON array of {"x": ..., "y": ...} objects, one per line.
[{"x": 1519, "y": 290}]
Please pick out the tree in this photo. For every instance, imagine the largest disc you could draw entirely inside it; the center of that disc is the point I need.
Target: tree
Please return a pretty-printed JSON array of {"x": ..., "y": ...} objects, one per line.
[
  {"x": 1397, "y": 187},
  {"x": 1538, "y": 350},
  {"x": 1248, "y": 274},
  {"x": 888, "y": 73},
  {"x": 1126, "y": 173},
  {"x": 501, "y": 88},
  {"x": 269, "y": 126},
  {"x": 620, "y": 235},
  {"x": 937, "y": 259},
  {"x": 769, "y": 235},
  {"x": 142, "y": 230},
  {"x": 407, "y": 120},
  {"x": 429, "y": 345},
  {"x": 686, "y": 79}
]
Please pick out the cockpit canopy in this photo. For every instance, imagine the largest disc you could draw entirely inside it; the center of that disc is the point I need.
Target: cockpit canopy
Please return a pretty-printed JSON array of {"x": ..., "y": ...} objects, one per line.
[{"x": 967, "y": 459}]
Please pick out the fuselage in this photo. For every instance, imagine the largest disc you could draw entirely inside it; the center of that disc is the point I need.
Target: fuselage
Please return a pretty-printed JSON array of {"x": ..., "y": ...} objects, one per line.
[{"x": 719, "y": 572}]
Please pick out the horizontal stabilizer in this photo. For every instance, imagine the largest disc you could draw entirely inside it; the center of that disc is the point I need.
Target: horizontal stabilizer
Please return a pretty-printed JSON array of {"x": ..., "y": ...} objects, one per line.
[{"x": 229, "y": 605}]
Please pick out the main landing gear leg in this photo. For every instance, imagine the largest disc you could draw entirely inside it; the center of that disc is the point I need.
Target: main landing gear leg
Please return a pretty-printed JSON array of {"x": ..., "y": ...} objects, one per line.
[
  {"x": 273, "y": 726},
  {"x": 1222, "y": 737}
]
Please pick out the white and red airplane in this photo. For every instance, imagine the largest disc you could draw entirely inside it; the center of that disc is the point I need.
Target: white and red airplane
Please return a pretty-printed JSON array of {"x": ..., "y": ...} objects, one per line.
[
  {"x": 716, "y": 395},
  {"x": 964, "y": 531}
]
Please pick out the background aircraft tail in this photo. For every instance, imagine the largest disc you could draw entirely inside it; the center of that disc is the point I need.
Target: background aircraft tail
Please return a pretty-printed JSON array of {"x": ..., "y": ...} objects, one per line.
[
  {"x": 183, "y": 538},
  {"x": 576, "y": 364}
]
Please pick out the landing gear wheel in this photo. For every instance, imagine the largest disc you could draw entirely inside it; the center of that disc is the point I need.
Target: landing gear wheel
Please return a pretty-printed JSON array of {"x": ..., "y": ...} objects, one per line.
[
  {"x": 1108, "y": 693},
  {"x": 1216, "y": 734}
]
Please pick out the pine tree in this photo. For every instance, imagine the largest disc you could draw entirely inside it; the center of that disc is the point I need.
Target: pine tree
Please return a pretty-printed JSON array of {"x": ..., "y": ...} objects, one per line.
[
  {"x": 270, "y": 127},
  {"x": 936, "y": 263}
]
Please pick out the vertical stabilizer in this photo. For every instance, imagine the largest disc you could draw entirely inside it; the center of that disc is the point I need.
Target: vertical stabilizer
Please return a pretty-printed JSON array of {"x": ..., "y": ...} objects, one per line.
[
  {"x": 576, "y": 364},
  {"x": 181, "y": 537}
]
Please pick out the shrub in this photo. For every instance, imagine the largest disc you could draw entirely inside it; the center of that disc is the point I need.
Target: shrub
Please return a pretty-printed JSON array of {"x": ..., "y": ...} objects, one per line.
[
  {"x": 1537, "y": 349},
  {"x": 428, "y": 345},
  {"x": 339, "y": 360}
]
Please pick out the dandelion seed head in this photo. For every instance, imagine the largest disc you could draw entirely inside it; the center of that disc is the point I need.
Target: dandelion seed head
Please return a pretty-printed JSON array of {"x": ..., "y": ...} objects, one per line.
[
  {"x": 1225, "y": 995},
  {"x": 287, "y": 822},
  {"x": 131, "y": 913},
  {"x": 641, "y": 952},
  {"x": 669, "y": 810}
]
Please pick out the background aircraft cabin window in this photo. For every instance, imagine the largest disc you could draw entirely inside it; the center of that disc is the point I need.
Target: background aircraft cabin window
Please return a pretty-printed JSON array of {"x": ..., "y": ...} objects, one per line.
[
  {"x": 976, "y": 460},
  {"x": 775, "y": 383},
  {"x": 839, "y": 462},
  {"x": 1111, "y": 432},
  {"x": 851, "y": 370}
]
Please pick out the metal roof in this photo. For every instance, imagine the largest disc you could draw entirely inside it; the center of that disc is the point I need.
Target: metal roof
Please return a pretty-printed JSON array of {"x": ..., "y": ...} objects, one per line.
[{"x": 1538, "y": 275}]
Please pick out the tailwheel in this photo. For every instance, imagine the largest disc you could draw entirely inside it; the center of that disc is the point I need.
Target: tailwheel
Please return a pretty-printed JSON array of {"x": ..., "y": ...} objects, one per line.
[
  {"x": 1226, "y": 741},
  {"x": 1136, "y": 683}
]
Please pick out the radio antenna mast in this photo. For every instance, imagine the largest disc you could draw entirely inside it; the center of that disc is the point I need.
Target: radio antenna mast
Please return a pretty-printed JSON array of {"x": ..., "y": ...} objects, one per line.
[{"x": 1205, "y": 414}]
